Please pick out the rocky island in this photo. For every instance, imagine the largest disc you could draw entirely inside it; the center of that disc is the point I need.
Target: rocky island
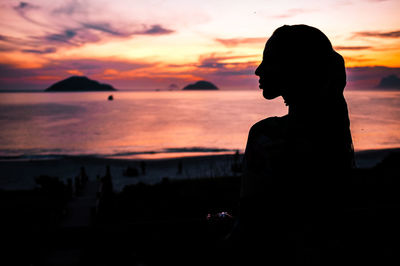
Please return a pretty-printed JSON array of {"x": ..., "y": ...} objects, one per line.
[
  {"x": 201, "y": 85},
  {"x": 77, "y": 84}
]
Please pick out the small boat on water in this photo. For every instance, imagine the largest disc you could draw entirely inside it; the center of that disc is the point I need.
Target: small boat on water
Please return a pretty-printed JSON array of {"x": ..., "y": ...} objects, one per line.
[{"x": 110, "y": 98}]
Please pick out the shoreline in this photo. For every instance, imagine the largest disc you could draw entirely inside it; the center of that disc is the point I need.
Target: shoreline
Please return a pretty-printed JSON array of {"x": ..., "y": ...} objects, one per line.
[{"x": 20, "y": 174}]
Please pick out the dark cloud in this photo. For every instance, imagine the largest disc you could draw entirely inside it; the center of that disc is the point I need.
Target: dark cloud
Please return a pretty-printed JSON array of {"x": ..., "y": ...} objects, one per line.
[
  {"x": 340, "y": 48},
  {"x": 48, "y": 50},
  {"x": 378, "y": 34},
  {"x": 22, "y": 10},
  {"x": 26, "y": 46},
  {"x": 217, "y": 61},
  {"x": 98, "y": 64},
  {"x": 25, "y": 6},
  {"x": 77, "y": 36},
  {"x": 106, "y": 28},
  {"x": 65, "y": 36},
  {"x": 4, "y": 38},
  {"x": 12, "y": 40},
  {"x": 72, "y": 27},
  {"x": 247, "y": 70},
  {"x": 238, "y": 41},
  {"x": 211, "y": 62},
  {"x": 70, "y": 8},
  {"x": 92, "y": 32},
  {"x": 74, "y": 8},
  {"x": 217, "y": 65},
  {"x": 154, "y": 30}
]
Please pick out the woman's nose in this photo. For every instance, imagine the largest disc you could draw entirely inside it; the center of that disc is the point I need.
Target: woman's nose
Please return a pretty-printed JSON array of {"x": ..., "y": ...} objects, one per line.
[{"x": 258, "y": 70}]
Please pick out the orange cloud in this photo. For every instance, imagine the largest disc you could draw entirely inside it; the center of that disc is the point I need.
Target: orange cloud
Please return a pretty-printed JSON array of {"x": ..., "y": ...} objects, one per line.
[
  {"x": 75, "y": 72},
  {"x": 110, "y": 72},
  {"x": 239, "y": 41}
]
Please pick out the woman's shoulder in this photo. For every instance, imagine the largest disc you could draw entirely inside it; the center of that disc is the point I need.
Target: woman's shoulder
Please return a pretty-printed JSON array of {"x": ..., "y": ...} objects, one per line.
[
  {"x": 272, "y": 127},
  {"x": 266, "y": 146}
]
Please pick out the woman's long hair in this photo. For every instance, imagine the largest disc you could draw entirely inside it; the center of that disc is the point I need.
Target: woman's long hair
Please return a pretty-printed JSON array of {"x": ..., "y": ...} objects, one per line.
[{"x": 316, "y": 84}]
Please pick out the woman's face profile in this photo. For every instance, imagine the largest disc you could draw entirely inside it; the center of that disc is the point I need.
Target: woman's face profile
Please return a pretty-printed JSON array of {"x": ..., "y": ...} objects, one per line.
[{"x": 271, "y": 72}]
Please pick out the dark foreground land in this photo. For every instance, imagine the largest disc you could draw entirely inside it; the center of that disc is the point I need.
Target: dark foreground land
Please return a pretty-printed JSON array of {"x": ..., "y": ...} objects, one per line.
[{"x": 186, "y": 222}]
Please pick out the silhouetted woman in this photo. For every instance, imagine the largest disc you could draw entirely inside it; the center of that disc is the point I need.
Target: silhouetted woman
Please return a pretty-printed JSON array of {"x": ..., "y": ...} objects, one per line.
[{"x": 294, "y": 164}]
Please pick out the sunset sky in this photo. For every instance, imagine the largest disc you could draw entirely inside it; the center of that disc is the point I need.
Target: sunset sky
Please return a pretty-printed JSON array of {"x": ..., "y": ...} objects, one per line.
[{"x": 152, "y": 44}]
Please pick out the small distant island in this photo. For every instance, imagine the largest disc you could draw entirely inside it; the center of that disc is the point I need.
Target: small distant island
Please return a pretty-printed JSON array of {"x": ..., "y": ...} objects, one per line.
[
  {"x": 390, "y": 82},
  {"x": 201, "y": 85},
  {"x": 77, "y": 84}
]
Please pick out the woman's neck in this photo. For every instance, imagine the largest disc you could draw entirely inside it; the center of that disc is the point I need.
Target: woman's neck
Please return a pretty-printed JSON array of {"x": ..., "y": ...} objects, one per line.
[{"x": 302, "y": 110}]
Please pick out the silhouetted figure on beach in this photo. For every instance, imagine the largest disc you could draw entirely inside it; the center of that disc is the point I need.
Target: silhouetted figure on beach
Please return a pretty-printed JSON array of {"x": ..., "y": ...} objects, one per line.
[
  {"x": 107, "y": 186},
  {"x": 106, "y": 195},
  {"x": 293, "y": 164},
  {"x": 143, "y": 167}
]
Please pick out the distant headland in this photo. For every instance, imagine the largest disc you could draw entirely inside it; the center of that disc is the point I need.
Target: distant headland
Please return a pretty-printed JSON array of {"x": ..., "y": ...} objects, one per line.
[
  {"x": 390, "y": 82},
  {"x": 201, "y": 85},
  {"x": 79, "y": 83}
]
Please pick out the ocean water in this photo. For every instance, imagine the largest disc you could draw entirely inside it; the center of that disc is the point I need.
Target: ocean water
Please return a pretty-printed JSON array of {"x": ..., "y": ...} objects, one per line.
[{"x": 165, "y": 124}]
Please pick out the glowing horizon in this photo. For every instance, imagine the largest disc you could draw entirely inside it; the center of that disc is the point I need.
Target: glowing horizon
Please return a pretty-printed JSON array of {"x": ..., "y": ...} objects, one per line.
[{"x": 153, "y": 44}]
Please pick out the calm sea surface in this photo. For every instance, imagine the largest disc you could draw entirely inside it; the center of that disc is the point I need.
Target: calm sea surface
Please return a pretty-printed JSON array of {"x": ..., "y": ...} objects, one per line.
[{"x": 165, "y": 124}]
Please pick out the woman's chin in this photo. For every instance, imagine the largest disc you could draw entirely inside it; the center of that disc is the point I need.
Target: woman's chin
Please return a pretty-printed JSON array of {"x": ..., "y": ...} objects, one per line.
[{"x": 269, "y": 96}]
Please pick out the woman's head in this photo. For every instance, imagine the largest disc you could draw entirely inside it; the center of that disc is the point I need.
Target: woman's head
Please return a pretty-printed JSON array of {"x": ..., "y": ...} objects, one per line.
[{"x": 300, "y": 64}]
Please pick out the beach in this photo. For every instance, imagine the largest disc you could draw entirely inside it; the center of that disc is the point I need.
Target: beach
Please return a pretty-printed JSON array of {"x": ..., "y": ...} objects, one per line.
[{"x": 158, "y": 211}]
